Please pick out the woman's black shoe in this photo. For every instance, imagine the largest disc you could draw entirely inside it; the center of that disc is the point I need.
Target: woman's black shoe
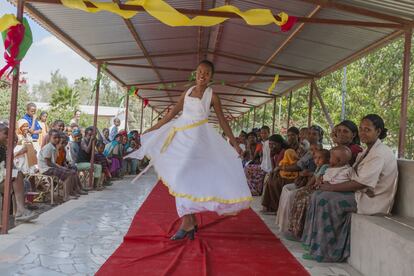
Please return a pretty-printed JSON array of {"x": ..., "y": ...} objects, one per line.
[{"x": 181, "y": 234}]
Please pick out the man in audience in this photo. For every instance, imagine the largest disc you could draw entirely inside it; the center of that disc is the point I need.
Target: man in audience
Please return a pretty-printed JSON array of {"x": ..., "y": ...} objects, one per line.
[{"x": 47, "y": 166}]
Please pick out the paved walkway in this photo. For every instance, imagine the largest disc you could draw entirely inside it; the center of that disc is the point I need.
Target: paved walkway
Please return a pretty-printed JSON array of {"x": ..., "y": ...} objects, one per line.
[{"x": 77, "y": 237}]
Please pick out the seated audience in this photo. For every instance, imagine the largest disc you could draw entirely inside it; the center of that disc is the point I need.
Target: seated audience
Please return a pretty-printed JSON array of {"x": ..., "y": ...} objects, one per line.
[
  {"x": 47, "y": 166},
  {"x": 255, "y": 173},
  {"x": 370, "y": 191}
]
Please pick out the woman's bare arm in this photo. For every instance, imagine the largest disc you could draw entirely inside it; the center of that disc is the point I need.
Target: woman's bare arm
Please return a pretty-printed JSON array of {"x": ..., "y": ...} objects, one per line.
[
  {"x": 176, "y": 109},
  {"x": 350, "y": 186}
]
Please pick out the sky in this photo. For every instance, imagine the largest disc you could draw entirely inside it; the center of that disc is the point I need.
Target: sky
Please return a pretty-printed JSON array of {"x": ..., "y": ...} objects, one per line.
[{"x": 47, "y": 54}]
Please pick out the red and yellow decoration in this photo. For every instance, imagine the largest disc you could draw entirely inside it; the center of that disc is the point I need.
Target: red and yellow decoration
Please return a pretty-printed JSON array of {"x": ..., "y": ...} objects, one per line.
[
  {"x": 17, "y": 39},
  {"x": 171, "y": 17}
]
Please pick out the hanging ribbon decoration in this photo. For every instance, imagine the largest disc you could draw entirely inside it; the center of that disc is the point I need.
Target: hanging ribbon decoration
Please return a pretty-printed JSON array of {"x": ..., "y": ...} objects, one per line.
[
  {"x": 244, "y": 101},
  {"x": 17, "y": 39},
  {"x": 273, "y": 85},
  {"x": 171, "y": 17},
  {"x": 146, "y": 102}
]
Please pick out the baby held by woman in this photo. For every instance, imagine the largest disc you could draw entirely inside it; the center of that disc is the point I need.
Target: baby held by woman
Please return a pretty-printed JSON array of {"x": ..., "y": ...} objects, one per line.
[{"x": 339, "y": 170}]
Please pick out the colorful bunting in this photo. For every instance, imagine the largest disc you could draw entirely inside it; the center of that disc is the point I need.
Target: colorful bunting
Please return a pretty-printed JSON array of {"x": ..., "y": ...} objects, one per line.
[
  {"x": 146, "y": 102},
  {"x": 171, "y": 17},
  {"x": 17, "y": 41},
  {"x": 244, "y": 101}
]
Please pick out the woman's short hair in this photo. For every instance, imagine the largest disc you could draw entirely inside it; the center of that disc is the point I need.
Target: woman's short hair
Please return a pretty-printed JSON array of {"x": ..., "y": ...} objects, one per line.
[{"x": 209, "y": 64}]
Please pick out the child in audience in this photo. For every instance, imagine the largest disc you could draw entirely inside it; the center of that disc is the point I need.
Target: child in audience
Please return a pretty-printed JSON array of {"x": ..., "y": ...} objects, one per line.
[
  {"x": 291, "y": 197},
  {"x": 58, "y": 125},
  {"x": 300, "y": 200},
  {"x": 339, "y": 170},
  {"x": 47, "y": 166},
  {"x": 101, "y": 159}
]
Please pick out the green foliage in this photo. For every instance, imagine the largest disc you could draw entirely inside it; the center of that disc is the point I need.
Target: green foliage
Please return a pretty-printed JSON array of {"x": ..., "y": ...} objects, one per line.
[
  {"x": 44, "y": 90},
  {"x": 22, "y": 100}
]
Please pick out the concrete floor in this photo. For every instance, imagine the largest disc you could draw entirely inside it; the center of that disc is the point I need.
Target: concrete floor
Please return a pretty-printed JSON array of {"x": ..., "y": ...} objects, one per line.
[{"x": 77, "y": 237}]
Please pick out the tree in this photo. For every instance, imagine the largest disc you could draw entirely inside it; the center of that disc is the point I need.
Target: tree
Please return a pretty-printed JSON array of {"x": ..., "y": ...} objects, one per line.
[
  {"x": 44, "y": 90},
  {"x": 5, "y": 93}
]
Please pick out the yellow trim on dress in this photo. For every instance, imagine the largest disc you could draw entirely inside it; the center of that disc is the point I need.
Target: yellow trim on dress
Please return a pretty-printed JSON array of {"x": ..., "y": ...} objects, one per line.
[
  {"x": 167, "y": 142},
  {"x": 204, "y": 199},
  {"x": 174, "y": 130}
]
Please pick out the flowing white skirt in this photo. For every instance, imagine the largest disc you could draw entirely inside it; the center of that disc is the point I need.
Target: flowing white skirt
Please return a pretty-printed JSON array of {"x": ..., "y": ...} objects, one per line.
[{"x": 201, "y": 170}]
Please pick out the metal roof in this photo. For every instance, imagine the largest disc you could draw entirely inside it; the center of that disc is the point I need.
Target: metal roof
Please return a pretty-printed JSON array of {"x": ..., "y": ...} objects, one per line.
[{"x": 309, "y": 50}]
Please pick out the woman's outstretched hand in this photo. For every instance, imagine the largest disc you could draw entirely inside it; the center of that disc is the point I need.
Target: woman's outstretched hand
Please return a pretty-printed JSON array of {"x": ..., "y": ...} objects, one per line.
[{"x": 239, "y": 150}]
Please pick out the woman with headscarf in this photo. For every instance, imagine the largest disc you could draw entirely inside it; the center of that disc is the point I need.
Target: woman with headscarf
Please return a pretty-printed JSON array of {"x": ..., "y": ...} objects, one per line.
[
  {"x": 278, "y": 147},
  {"x": 24, "y": 152}
]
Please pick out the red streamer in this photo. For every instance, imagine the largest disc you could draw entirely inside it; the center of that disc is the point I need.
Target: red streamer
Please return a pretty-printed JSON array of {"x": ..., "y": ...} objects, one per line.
[
  {"x": 244, "y": 101},
  {"x": 14, "y": 38},
  {"x": 289, "y": 24},
  {"x": 146, "y": 102}
]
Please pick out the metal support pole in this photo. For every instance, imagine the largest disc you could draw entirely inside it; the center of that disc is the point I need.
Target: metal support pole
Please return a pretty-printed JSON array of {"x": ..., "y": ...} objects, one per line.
[
  {"x": 310, "y": 105},
  {"x": 95, "y": 125},
  {"x": 264, "y": 115},
  {"x": 324, "y": 108},
  {"x": 127, "y": 109},
  {"x": 343, "y": 111},
  {"x": 242, "y": 121},
  {"x": 280, "y": 112},
  {"x": 142, "y": 116},
  {"x": 254, "y": 117},
  {"x": 289, "y": 109},
  {"x": 152, "y": 115},
  {"x": 10, "y": 136},
  {"x": 248, "y": 120},
  {"x": 404, "y": 94},
  {"x": 273, "y": 115}
]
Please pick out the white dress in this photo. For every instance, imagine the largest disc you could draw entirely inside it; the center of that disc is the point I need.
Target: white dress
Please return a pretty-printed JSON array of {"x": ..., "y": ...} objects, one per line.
[{"x": 201, "y": 170}]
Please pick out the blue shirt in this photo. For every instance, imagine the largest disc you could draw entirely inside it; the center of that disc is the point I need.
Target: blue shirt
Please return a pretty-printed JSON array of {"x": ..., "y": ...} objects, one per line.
[
  {"x": 113, "y": 132},
  {"x": 37, "y": 126}
]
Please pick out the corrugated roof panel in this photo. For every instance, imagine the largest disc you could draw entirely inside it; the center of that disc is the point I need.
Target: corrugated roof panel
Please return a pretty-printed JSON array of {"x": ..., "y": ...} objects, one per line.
[{"x": 398, "y": 8}]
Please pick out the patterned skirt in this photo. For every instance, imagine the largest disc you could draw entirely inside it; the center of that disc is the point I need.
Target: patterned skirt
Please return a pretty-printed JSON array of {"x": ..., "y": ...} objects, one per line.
[
  {"x": 255, "y": 177},
  {"x": 328, "y": 225},
  {"x": 298, "y": 212}
]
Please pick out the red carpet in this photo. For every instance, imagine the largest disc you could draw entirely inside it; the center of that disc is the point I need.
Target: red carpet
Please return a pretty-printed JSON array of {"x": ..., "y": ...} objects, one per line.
[{"x": 238, "y": 245}]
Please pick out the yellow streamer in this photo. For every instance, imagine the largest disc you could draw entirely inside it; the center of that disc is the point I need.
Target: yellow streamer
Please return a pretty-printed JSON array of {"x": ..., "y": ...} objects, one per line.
[
  {"x": 7, "y": 21},
  {"x": 171, "y": 17},
  {"x": 174, "y": 130},
  {"x": 271, "y": 87}
]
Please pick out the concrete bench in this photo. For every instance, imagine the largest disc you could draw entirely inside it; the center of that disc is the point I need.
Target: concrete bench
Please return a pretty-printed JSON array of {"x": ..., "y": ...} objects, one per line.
[{"x": 383, "y": 246}]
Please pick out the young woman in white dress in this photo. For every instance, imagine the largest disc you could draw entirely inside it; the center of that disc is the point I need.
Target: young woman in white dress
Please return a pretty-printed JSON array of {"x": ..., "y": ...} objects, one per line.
[{"x": 201, "y": 170}]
